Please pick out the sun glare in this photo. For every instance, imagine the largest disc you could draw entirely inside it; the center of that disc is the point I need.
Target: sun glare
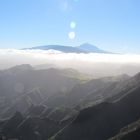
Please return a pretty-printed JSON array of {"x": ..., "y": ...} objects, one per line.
[
  {"x": 72, "y": 35},
  {"x": 72, "y": 25}
]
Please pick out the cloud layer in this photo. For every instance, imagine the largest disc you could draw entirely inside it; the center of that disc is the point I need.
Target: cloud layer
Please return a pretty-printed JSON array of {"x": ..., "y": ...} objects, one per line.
[{"x": 91, "y": 63}]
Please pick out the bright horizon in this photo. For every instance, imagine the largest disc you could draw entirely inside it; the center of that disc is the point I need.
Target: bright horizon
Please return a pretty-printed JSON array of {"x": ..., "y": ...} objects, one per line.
[{"x": 108, "y": 24}]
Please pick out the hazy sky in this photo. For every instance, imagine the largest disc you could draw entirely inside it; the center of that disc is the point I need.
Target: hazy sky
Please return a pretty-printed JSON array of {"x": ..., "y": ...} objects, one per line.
[{"x": 112, "y": 25}]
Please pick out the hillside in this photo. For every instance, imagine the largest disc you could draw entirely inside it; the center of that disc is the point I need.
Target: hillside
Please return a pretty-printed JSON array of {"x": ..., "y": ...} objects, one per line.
[
  {"x": 104, "y": 120},
  {"x": 57, "y": 104}
]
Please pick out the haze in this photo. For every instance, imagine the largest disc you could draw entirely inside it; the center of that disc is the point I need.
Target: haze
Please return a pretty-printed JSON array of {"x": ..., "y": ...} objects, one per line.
[{"x": 93, "y": 63}]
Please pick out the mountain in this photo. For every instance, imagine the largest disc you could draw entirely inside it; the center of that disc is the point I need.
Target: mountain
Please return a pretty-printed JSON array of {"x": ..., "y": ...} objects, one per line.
[
  {"x": 55, "y": 104},
  {"x": 102, "y": 121},
  {"x": 90, "y": 92},
  {"x": 129, "y": 132},
  {"x": 22, "y": 86},
  {"x": 29, "y": 128},
  {"x": 91, "y": 48},
  {"x": 84, "y": 48},
  {"x": 65, "y": 49}
]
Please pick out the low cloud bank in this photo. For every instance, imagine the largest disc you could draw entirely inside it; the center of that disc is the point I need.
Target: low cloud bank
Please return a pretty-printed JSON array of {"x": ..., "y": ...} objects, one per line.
[{"x": 93, "y": 63}]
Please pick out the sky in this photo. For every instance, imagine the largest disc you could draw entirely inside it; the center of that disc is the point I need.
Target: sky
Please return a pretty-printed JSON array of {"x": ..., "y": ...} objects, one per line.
[{"x": 112, "y": 25}]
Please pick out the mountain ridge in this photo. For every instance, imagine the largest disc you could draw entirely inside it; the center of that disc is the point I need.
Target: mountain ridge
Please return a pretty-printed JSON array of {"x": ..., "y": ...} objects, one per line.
[{"x": 84, "y": 48}]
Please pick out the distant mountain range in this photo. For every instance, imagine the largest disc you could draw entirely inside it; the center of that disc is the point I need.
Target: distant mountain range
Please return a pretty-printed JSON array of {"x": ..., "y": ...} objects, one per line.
[
  {"x": 84, "y": 48},
  {"x": 56, "y": 104}
]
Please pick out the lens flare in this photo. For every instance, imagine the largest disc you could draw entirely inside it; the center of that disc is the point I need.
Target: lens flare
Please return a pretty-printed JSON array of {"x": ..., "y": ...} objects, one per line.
[
  {"x": 73, "y": 25},
  {"x": 71, "y": 35}
]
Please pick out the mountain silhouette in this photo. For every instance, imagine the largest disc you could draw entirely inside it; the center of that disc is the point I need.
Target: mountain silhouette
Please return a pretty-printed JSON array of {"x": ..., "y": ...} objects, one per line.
[{"x": 84, "y": 48}]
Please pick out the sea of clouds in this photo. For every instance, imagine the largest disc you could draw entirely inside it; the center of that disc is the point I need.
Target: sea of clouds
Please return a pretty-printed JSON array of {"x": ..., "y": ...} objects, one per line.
[{"x": 92, "y": 63}]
